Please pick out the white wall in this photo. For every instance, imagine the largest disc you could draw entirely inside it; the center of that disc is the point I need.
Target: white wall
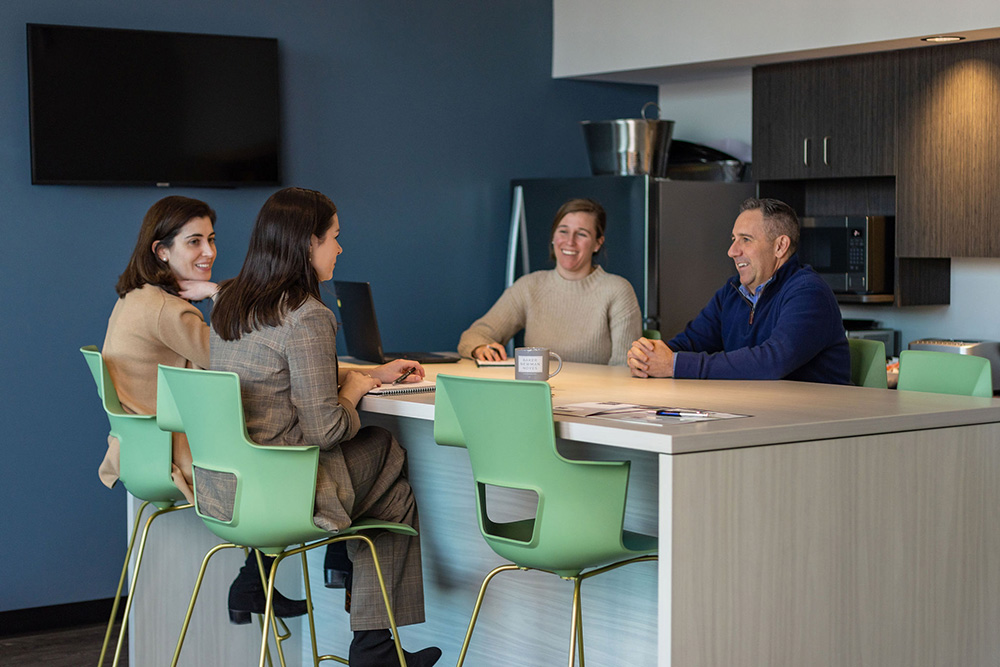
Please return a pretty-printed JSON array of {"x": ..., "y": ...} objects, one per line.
[
  {"x": 974, "y": 313},
  {"x": 714, "y": 109},
  {"x": 592, "y": 36}
]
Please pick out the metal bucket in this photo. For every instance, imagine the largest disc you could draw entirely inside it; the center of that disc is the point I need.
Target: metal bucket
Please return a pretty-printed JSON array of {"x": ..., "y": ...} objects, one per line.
[{"x": 629, "y": 146}]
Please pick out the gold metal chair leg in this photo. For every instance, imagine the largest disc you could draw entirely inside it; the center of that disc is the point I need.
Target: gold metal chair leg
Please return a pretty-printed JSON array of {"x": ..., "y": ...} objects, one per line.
[
  {"x": 479, "y": 604},
  {"x": 269, "y": 617},
  {"x": 194, "y": 597},
  {"x": 309, "y": 608},
  {"x": 574, "y": 622},
  {"x": 317, "y": 658},
  {"x": 579, "y": 619},
  {"x": 121, "y": 583},
  {"x": 270, "y": 620},
  {"x": 279, "y": 635},
  {"x": 260, "y": 619},
  {"x": 578, "y": 599},
  {"x": 135, "y": 572},
  {"x": 615, "y": 566}
]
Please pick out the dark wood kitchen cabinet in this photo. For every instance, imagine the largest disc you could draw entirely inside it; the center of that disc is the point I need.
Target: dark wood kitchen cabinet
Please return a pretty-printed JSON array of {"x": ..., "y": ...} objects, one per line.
[
  {"x": 948, "y": 161},
  {"x": 922, "y": 129},
  {"x": 829, "y": 118},
  {"x": 849, "y": 107}
]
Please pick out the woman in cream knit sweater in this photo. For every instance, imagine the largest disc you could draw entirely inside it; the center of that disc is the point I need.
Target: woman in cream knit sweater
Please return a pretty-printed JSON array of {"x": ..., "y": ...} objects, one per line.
[{"x": 577, "y": 310}]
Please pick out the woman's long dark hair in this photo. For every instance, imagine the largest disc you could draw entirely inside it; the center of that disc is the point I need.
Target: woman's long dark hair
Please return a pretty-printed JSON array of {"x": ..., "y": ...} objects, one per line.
[
  {"x": 162, "y": 222},
  {"x": 277, "y": 276}
]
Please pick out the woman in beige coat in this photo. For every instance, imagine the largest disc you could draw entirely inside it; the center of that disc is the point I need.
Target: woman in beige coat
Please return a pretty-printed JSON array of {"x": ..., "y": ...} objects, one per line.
[{"x": 154, "y": 322}]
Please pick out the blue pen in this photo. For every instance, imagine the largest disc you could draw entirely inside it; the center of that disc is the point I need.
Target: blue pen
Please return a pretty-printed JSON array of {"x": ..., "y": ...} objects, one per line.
[{"x": 681, "y": 413}]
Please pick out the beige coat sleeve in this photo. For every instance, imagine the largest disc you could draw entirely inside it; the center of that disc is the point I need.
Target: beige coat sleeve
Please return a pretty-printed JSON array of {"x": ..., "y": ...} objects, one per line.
[{"x": 182, "y": 328}]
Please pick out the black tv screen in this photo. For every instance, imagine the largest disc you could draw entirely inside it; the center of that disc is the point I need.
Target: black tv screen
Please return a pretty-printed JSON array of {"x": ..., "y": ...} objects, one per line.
[{"x": 137, "y": 107}]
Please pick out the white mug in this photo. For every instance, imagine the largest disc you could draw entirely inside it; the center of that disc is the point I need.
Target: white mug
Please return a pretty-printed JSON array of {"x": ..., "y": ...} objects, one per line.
[{"x": 532, "y": 363}]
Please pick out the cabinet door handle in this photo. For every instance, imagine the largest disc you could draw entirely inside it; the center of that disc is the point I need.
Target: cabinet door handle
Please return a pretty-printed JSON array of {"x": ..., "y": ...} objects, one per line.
[
  {"x": 826, "y": 151},
  {"x": 805, "y": 151}
]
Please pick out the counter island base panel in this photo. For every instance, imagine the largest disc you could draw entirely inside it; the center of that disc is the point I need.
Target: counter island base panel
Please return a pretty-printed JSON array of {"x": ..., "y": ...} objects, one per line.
[{"x": 880, "y": 550}]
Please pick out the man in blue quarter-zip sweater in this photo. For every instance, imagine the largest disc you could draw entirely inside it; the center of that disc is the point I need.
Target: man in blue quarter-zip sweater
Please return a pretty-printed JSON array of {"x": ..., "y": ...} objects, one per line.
[{"x": 777, "y": 321}]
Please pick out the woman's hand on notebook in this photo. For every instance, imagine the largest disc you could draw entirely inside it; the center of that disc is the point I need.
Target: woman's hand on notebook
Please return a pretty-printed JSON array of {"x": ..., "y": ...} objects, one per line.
[
  {"x": 490, "y": 352},
  {"x": 390, "y": 372},
  {"x": 358, "y": 383}
]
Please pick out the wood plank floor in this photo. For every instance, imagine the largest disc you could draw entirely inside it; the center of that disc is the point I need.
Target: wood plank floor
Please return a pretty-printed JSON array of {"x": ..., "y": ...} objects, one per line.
[{"x": 70, "y": 647}]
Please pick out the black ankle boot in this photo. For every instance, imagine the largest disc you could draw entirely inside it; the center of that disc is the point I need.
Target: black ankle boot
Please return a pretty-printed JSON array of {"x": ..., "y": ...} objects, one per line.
[
  {"x": 375, "y": 648},
  {"x": 337, "y": 567},
  {"x": 247, "y": 594}
]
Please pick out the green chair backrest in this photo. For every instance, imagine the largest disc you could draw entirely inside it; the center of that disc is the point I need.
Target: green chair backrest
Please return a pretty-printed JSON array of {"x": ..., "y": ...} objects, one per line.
[
  {"x": 246, "y": 493},
  {"x": 652, "y": 334},
  {"x": 508, "y": 429},
  {"x": 868, "y": 363},
  {"x": 146, "y": 451},
  {"x": 945, "y": 373}
]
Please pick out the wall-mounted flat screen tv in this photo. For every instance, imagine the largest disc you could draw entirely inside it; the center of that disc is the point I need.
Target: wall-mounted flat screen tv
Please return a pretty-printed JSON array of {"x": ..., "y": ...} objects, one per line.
[{"x": 138, "y": 107}]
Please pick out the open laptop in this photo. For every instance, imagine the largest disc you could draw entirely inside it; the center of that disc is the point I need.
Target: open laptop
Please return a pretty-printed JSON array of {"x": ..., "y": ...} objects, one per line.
[{"x": 357, "y": 314}]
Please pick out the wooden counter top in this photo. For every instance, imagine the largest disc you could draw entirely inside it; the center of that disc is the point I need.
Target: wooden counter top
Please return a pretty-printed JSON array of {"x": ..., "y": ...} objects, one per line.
[{"x": 780, "y": 411}]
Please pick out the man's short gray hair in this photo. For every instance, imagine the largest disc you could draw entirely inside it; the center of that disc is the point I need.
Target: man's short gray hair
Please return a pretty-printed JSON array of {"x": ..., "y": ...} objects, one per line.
[{"x": 779, "y": 218}]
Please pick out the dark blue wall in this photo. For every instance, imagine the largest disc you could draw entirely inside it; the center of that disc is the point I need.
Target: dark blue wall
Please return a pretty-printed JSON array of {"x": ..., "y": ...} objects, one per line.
[{"x": 412, "y": 116}]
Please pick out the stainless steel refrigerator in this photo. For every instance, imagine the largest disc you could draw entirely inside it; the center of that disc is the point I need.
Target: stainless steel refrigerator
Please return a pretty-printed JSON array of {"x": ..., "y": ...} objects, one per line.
[{"x": 669, "y": 238}]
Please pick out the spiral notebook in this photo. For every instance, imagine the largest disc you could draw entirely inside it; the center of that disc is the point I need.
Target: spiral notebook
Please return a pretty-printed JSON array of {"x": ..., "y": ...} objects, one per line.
[
  {"x": 404, "y": 388},
  {"x": 482, "y": 363}
]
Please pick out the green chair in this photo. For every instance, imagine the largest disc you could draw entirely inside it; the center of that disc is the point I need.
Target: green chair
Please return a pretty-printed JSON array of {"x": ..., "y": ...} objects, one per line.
[
  {"x": 252, "y": 495},
  {"x": 945, "y": 373},
  {"x": 867, "y": 363},
  {"x": 652, "y": 334},
  {"x": 145, "y": 464},
  {"x": 578, "y": 523}
]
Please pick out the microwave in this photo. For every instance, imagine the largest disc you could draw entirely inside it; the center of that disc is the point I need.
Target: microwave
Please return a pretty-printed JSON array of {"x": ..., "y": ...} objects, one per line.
[{"x": 853, "y": 253}]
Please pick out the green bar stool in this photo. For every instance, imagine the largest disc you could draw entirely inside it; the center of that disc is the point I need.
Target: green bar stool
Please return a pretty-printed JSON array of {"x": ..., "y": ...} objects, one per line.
[
  {"x": 945, "y": 373},
  {"x": 577, "y": 531},
  {"x": 145, "y": 465},
  {"x": 868, "y": 363},
  {"x": 250, "y": 495}
]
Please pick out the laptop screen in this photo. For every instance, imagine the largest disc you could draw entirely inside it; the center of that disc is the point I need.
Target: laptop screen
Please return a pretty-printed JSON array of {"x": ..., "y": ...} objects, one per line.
[
  {"x": 357, "y": 314},
  {"x": 361, "y": 333}
]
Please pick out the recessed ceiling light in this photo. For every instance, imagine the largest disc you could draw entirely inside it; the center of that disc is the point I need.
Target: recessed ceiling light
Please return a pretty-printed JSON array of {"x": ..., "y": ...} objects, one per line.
[{"x": 943, "y": 38}]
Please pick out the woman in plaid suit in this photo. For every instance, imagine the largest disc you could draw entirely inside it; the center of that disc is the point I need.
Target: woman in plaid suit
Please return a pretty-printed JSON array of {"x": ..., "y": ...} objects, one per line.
[{"x": 270, "y": 327}]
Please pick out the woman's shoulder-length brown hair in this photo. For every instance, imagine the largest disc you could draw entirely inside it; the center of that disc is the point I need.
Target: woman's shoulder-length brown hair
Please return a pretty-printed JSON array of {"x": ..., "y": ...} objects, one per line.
[
  {"x": 162, "y": 222},
  {"x": 277, "y": 275}
]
